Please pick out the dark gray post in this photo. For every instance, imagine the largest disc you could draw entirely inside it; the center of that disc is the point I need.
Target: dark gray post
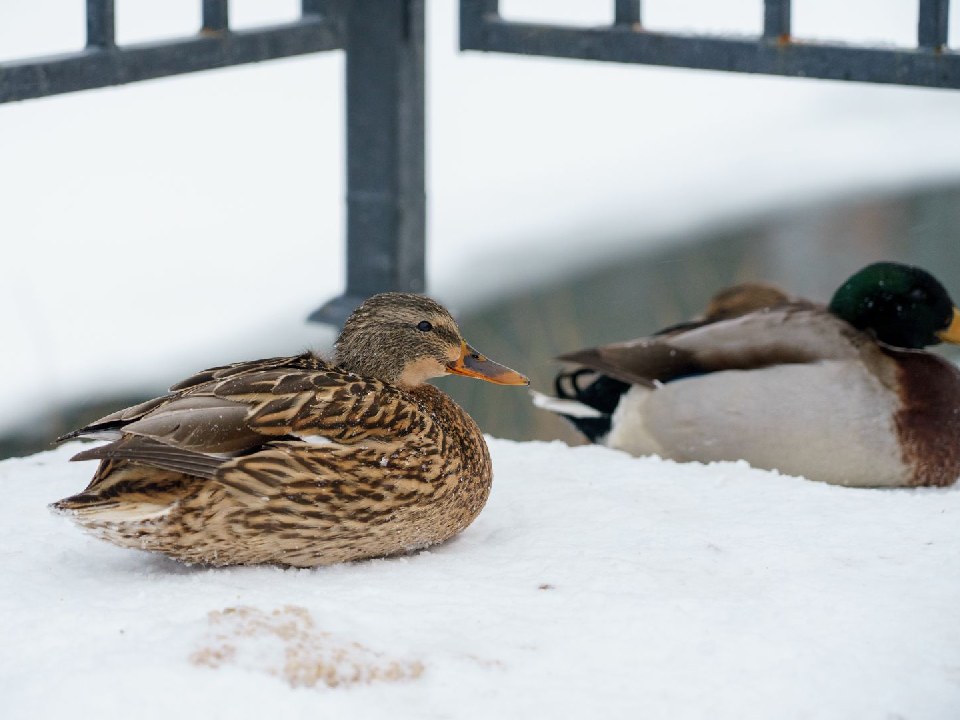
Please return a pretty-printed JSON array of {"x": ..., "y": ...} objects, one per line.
[
  {"x": 215, "y": 15},
  {"x": 100, "y": 24},
  {"x": 932, "y": 28},
  {"x": 776, "y": 19},
  {"x": 386, "y": 207},
  {"x": 626, "y": 12},
  {"x": 473, "y": 14}
]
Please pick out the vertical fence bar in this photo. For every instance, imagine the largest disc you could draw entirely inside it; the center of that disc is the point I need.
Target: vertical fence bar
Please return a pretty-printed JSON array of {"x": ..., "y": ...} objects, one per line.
[
  {"x": 626, "y": 12},
  {"x": 216, "y": 15},
  {"x": 312, "y": 7},
  {"x": 101, "y": 24},
  {"x": 776, "y": 19},
  {"x": 473, "y": 14},
  {"x": 932, "y": 26},
  {"x": 386, "y": 204}
]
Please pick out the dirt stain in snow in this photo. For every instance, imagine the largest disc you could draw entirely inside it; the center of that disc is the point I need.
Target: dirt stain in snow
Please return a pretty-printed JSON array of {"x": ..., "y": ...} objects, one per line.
[{"x": 287, "y": 644}]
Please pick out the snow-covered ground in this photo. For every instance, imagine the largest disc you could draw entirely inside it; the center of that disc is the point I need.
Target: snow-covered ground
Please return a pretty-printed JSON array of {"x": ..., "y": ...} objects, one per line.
[
  {"x": 593, "y": 585},
  {"x": 153, "y": 229}
]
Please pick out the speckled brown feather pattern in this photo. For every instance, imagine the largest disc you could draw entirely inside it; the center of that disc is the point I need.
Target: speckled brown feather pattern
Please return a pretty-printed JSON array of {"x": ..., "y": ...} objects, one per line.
[
  {"x": 396, "y": 470},
  {"x": 297, "y": 461}
]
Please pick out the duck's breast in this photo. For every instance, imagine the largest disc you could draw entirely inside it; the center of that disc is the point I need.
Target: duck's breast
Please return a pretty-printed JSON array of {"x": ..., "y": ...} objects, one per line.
[{"x": 929, "y": 420}]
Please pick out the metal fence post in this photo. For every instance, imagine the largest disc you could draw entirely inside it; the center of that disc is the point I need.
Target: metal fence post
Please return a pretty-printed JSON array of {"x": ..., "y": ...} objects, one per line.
[
  {"x": 776, "y": 19},
  {"x": 386, "y": 205},
  {"x": 932, "y": 29},
  {"x": 101, "y": 22},
  {"x": 626, "y": 12}
]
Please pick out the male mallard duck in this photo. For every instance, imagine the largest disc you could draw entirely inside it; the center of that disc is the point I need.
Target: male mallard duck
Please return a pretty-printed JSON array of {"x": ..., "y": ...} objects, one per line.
[
  {"x": 296, "y": 461},
  {"x": 842, "y": 393}
]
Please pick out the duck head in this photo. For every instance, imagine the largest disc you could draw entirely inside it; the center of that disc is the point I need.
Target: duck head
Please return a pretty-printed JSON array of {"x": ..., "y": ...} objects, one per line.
[
  {"x": 902, "y": 305},
  {"x": 406, "y": 339}
]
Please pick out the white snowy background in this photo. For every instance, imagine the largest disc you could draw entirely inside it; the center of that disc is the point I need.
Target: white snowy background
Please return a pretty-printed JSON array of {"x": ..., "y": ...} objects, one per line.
[{"x": 156, "y": 228}]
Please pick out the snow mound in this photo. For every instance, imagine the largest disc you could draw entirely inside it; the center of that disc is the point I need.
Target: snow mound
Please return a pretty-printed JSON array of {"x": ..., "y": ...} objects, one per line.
[{"x": 593, "y": 582}]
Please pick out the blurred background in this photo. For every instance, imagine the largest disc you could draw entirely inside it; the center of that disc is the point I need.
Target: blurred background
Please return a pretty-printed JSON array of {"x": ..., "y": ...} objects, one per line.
[{"x": 157, "y": 228}]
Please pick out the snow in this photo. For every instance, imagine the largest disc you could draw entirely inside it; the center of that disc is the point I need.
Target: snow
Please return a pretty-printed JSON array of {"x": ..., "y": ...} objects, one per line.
[
  {"x": 179, "y": 223},
  {"x": 593, "y": 584}
]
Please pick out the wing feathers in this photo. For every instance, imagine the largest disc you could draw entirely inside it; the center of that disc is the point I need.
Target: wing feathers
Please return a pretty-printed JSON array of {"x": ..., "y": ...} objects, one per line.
[
  {"x": 148, "y": 451},
  {"x": 788, "y": 334},
  {"x": 227, "y": 371},
  {"x": 202, "y": 423},
  {"x": 238, "y": 410}
]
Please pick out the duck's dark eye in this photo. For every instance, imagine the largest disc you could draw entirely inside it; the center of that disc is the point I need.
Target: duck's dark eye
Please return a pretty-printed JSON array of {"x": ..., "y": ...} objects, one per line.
[
  {"x": 918, "y": 294},
  {"x": 424, "y": 326}
]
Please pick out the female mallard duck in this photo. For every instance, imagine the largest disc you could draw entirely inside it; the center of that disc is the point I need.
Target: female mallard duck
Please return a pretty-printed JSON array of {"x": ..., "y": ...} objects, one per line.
[
  {"x": 842, "y": 394},
  {"x": 298, "y": 462}
]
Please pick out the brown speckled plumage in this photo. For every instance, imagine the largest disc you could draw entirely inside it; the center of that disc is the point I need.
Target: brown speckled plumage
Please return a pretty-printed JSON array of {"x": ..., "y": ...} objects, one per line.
[{"x": 295, "y": 461}]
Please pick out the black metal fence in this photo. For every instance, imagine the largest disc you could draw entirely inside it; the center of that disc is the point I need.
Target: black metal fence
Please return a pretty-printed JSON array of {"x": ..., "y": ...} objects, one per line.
[
  {"x": 103, "y": 63},
  {"x": 383, "y": 41},
  {"x": 929, "y": 64},
  {"x": 384, "y": 45}
]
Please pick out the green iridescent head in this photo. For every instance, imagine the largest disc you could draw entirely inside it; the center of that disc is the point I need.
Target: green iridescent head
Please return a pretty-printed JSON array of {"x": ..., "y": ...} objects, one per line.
[{"x": 903, "y": 306}]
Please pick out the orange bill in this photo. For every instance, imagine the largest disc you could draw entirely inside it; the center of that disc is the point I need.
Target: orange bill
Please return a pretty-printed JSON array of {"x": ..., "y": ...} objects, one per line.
[
  {"x": 952, "y": 333},
  {"x": 473, "y": 364}
]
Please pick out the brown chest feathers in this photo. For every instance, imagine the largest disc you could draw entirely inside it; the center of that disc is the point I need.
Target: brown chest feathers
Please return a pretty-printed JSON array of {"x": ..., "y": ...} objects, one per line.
[{"x": 928, "y": 423}]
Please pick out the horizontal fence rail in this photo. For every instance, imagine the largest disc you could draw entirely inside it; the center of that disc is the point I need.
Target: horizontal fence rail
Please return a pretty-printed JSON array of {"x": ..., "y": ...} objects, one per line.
[
  {"x": 930, "y": 64},
  {"x": 103, "y": 63}
]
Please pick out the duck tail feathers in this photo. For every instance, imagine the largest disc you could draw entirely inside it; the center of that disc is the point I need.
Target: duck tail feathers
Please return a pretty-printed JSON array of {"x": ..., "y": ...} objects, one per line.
[{"x": 586, "y": 399}]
